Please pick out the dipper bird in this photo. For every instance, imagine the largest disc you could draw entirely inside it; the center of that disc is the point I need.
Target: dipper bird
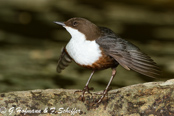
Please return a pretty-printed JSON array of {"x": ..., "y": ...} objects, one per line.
[{"x": 98, "y": 48}]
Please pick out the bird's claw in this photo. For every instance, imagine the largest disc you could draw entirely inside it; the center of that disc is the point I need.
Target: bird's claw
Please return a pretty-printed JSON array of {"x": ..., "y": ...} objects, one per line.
[
  {"x": 103, "y": 95},
  {"x": 85, "y": 89}
]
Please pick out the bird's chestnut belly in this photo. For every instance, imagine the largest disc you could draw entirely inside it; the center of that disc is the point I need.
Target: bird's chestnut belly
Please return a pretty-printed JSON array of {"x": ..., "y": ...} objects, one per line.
[{"x": 103, "y": 62}]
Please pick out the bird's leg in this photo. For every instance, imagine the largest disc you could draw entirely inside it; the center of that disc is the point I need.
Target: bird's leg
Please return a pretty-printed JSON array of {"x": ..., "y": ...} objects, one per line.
[
  {"x": 86, "y": 88},
  {"x": 107, "y": 87}
]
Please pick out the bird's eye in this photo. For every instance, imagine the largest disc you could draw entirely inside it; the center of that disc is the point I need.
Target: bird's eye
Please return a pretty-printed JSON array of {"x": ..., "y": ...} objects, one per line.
[{"x": 75, "y": 23}]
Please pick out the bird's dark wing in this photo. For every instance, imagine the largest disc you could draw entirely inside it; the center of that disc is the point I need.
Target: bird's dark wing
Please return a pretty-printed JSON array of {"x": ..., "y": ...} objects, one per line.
[
  {"x": 127, "y": 55},
  {"x": 63, "y": 60}
]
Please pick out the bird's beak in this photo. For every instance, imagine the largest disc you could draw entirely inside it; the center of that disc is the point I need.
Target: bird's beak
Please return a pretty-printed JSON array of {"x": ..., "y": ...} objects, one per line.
[{"x": 60, "y": 23}]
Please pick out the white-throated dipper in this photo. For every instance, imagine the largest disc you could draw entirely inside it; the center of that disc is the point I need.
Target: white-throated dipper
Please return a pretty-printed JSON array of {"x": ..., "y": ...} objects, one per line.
[{"x": 100, "y": 48}]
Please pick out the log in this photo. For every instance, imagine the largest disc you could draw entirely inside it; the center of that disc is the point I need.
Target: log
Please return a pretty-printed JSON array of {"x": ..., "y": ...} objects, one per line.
[{"x": 147, "y": 99}]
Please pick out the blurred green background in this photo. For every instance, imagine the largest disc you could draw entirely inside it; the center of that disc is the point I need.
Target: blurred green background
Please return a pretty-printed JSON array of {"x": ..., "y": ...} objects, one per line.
[{"x": 30, "y": 42}]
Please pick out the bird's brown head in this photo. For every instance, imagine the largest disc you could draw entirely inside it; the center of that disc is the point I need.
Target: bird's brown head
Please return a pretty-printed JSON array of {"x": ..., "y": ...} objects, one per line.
[{"x": 90, "y": 30}]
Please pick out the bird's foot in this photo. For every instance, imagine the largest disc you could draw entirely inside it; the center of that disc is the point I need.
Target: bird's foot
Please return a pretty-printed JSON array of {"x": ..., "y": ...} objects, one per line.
[
  {"x": 85, "y": 89},
  {"x": 103, "y": 95}
]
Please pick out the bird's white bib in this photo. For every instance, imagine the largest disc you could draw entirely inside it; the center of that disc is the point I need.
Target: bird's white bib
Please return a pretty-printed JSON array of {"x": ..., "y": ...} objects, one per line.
[{"x": 83, "y": 51}]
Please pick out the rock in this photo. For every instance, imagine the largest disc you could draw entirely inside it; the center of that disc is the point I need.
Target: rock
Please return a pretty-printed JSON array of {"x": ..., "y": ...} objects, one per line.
[{"x": 153, "y": 98}]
